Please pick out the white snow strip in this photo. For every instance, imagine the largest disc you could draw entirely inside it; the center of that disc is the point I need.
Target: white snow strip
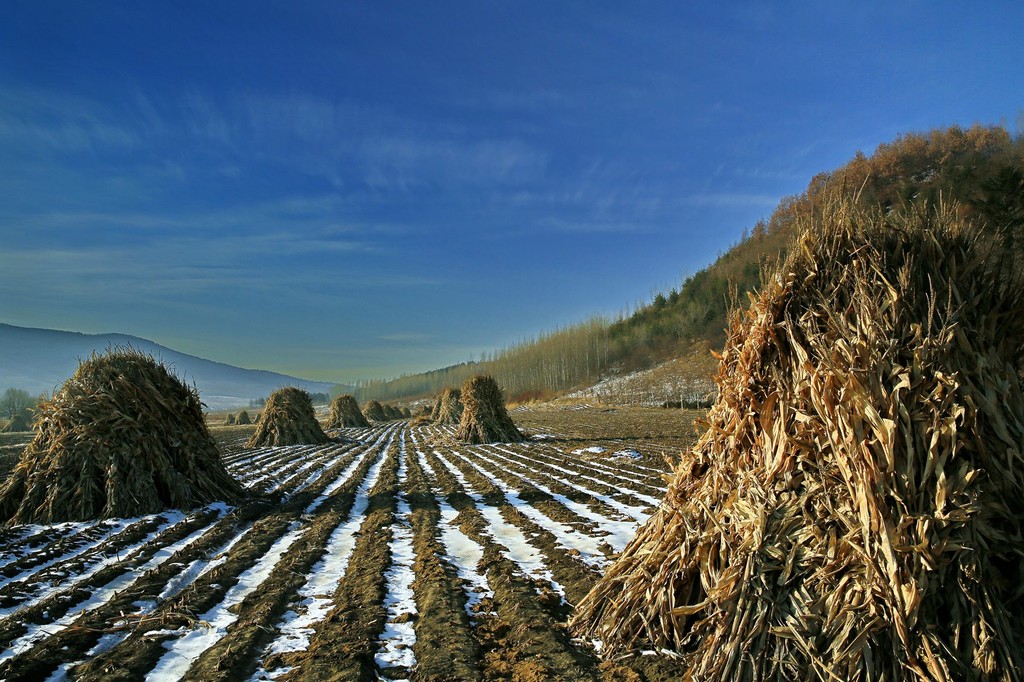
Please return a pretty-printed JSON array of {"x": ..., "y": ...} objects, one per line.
[
  {"x": 464, "y": 553},
  {"x": 323, "y": 579},
  {"x": 653, "y": 475},
  {"x": 38, "y": 632},
  {"x": 593, "y": 450},
  {"x": 183, "y": 651},
  {"x": 519, "y": 550},
  {"x": 47, "y": 590},
  {"x": 112, "y": 527},
  {"x": 589, "y": 547},
  {"x": 112, "y": 639},
  {"x": 619, "y": 532},
  {"x": 342, "y": 479},
  {"x": 312, "y": 478},
  {"x": 398, "y": 638},
  {"x": 638, "y": 513}
]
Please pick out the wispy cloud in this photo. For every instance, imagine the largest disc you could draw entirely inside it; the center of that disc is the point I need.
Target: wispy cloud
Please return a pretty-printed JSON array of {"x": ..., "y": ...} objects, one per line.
[{"x": 407, "y": 337}]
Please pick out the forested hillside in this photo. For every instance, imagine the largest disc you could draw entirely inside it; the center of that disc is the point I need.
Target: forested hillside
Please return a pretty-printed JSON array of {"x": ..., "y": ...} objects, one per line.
[{"x": 981, "y": 169}]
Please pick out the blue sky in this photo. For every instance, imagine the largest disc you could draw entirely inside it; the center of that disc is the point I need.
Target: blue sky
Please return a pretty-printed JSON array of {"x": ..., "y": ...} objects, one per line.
[{"x": 345, "y": 190}]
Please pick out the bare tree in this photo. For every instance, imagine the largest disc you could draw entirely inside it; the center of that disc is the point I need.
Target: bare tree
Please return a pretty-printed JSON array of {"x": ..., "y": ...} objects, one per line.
[{"x": 14, "y": 401}]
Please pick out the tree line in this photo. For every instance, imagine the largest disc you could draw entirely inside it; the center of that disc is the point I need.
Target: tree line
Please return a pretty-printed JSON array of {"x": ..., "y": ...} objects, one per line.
[{"x": 980, "y": 168}]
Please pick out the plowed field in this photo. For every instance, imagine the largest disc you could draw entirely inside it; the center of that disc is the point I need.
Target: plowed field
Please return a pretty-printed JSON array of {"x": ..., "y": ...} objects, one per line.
[{"x": 394, "y": 553}]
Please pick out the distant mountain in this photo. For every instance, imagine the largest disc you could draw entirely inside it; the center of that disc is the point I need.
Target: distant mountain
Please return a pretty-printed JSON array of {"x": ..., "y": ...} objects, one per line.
[{"x": 40, "y": 360}]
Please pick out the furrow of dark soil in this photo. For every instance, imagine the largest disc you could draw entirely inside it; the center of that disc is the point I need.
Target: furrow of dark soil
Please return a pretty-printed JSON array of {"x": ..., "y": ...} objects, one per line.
[
  {"x": 70, "y": 644},
  {"x": 235, "y": 656},
  {"x": 262, "y": 524},
  {"x": 56, "y": 605},
  {"x": 575, "y": 577},
  {"x": 446, "y": 646},
  {"x": 641, "y": 478},
  {"x": 525, "y": 640},
  {"x": 538, "y": 498},
  {"x": 42, "y": 547},
  {"x": 344, "y": 645},
  {"x": 546, "y": 476},
  {"x": 570, "y": 466}
]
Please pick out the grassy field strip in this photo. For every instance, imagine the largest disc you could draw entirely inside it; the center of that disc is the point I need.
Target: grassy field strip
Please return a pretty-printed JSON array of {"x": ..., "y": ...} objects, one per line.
[
  {"x": 63, "y": 548},
  {"x": 518, "y": 548},
  {"x": 566, "y": 536},
  {"x": 615, "y": 488},
  {"x": 186, "y": 649},
  {"x": 399, "y": 636},
  {"x": 129, "y": 541},
  {"x": 37, "y": 632},
  {"x": 633, "y": 511},
  {"x": 620, "y": 530},
  {"x": 297, "y": 626}
]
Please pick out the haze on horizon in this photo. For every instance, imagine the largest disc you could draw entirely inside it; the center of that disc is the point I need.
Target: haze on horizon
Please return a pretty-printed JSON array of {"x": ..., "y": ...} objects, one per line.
[{"x": 340, "y": 190}]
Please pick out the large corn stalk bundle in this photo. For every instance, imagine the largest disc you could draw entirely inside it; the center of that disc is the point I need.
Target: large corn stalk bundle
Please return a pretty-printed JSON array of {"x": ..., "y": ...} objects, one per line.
[
  {"x": 288, "y": 419},
  {"x": 345, "y": 413},
  {"x": 447, "y": 407},
  {"x": 374, "y": 411},
  {"x": 484, "y": 417},
  {"x": 122, "y": 437},
  {"x": 854, "y": 509}
]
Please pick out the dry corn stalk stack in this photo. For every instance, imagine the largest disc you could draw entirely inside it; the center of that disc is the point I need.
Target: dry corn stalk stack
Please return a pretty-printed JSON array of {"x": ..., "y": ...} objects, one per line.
[
  {"x": 447, "y": 407},
  {"x": 374, "y": 411},
  {"x": 288, "y": 419},
  {"x": 484, "y": 417},
  {"x": 243, "y": 418},
  {"x": 854, "y": 509},
  {"x": 345, "y": 413},
  {"x": 392, "y": 412},
  {"x": 122, "y": 437}
]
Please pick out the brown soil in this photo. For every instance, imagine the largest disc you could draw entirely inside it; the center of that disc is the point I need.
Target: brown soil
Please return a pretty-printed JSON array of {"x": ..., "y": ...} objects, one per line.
[{"x": 520, "y": 634}]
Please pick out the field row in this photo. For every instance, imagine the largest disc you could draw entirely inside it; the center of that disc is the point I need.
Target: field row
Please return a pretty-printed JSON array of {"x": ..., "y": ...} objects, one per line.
[{"x": 395, "y": 554}]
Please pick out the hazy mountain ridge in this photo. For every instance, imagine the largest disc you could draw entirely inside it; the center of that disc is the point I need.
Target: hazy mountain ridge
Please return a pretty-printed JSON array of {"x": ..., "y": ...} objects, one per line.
[{"x": 40, "y": 360}]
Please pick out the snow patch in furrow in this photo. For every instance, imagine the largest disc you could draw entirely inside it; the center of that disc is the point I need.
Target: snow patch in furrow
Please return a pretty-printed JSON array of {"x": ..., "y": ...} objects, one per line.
[
  {"x": 639, "y": 513},
  {"x": 103, "y": 594},
  {"x": 297, "y": 626},
  {"x": 44, "y": 590},
  {"x": 619, "y": 532},
  {"x": 288, "y": 462},
  {"x": 567, "y": 537},
  {"x": 183, "y": 651},
  {"x": 519, "y": 550},
  {"x": 342, "y": 479},
  {"x": 464, "y": 553},
  {"x": 112, "y": 528},
  {"x": 652, "y": 501},
  {"x": 144, "y": 608},
  {"x": 654, "y": 473},
  {"x": 399, "y": 636},
  {"x": 315, "y": 476}
]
